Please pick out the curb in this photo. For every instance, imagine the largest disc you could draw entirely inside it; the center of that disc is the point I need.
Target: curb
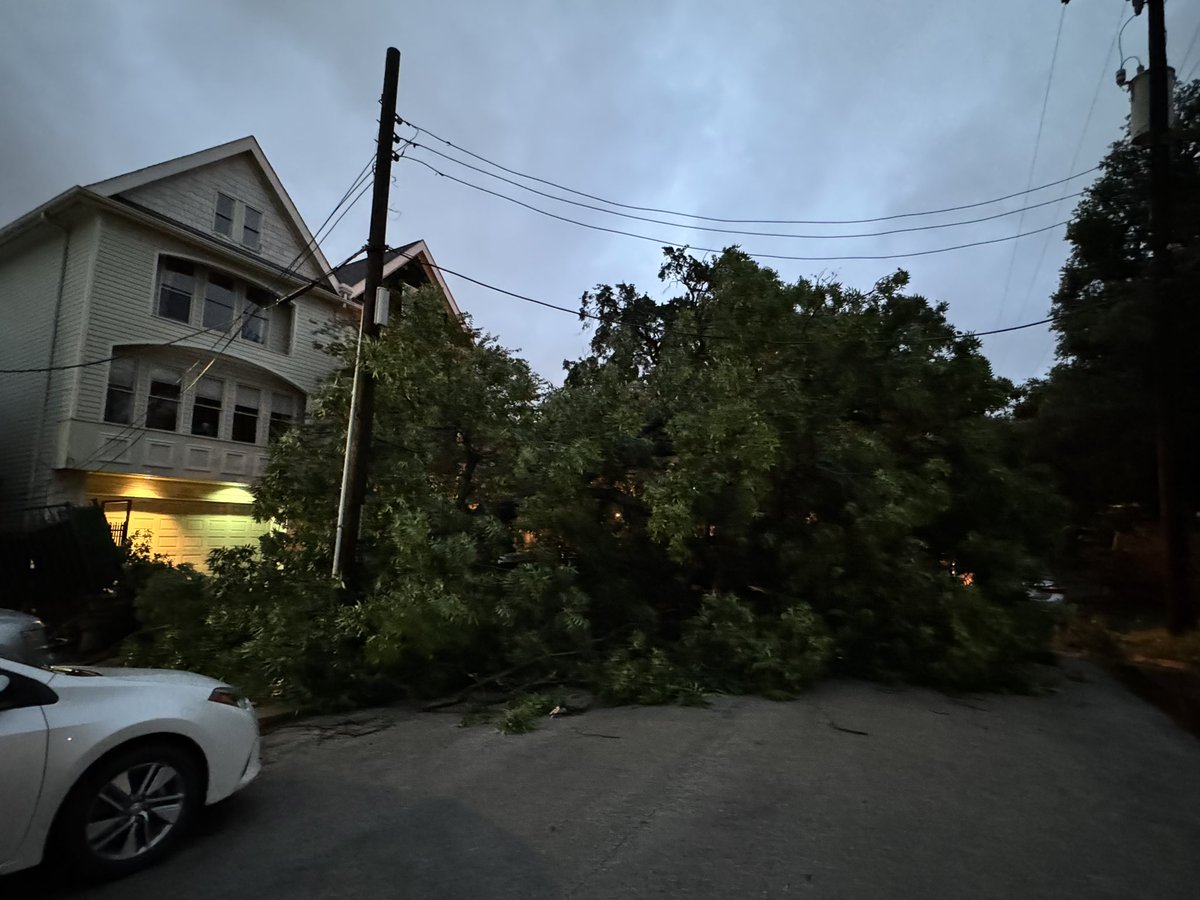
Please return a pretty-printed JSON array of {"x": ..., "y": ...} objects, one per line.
[{"x": 273, "y": 716}]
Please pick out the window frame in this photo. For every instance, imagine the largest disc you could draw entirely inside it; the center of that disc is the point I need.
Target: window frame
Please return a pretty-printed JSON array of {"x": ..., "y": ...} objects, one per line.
[
  {"x": 151, "y": 397},
  {"x": 237, "y": 222},
  {"x": 218, "y": 216},
  {"x": 238, "y": 387},
  {"x": 262, "y": 216},
  {"x": 277, "y": 327},
  {"x": 279, "y": 423},
  {"x": 199, "y": 401},
  {"x": 130, "y": 392}
]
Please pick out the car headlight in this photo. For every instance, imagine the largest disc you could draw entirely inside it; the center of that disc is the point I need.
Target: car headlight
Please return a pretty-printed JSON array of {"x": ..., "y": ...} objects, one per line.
[{"x": 230, "y": 697}]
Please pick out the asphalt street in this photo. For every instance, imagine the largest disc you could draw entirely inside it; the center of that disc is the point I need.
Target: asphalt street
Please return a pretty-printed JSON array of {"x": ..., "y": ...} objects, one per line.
[{"x": 853, "y": 791}]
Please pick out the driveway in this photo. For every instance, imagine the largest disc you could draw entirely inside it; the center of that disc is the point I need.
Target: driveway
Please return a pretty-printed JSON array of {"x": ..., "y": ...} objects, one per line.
[{"x": 853, "y": 791}]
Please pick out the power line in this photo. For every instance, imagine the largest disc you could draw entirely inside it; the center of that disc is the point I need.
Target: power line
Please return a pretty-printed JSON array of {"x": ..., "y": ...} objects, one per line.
[
  {"x": 1183, "y": 60},
  {"x": 96, "y": 362},
  {"x": 667, "y": 243},
  {"x": 1037, "y": 145},
  {"x": 734, "y": 231},
  {"x": 730, "y": 221},
  {"x": 306, "y": 252},
  {"x": 1100, "y": 81},
  {"x": 581, "y": 314}
]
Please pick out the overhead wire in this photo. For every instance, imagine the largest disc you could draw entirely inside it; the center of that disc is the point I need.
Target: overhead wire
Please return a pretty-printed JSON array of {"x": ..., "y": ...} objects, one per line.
[
  {"x": 736, "y": 221},
  {"x": 312, "y": 245},
  {"x": 1183, "y": 60},
  {"x": 582, "y": 314},
  {"x": 677, "y": 244},
  {"x": 1087, "y": 121},
  {"x": 1037, "y": 144},
  {"x": 733, "y": 231}
]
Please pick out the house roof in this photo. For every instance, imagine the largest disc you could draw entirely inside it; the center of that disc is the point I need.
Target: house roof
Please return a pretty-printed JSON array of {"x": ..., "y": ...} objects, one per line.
[
  {"x": 353, "y": 275},
  {"x": 248, "y": 145}
]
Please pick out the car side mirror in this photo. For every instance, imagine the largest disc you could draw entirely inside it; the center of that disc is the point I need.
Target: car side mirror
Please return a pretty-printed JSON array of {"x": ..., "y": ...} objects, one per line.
[{"x": 5, "y": 681}]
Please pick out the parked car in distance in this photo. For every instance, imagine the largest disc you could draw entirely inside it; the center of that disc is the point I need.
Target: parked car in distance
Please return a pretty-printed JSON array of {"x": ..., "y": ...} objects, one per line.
[
  {"x": 23, "y": 638},
  {"x": 105, "y": 768}
]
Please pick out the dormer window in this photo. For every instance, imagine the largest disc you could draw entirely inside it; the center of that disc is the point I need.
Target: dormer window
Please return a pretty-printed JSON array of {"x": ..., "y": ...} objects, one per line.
[{"x": 233, "y": 217}]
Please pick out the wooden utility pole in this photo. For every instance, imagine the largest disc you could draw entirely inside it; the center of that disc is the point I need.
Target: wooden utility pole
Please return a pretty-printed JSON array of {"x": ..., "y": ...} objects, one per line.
[
  {"x": 1174, "y": 503},
  {"x": 362, "y": 407}
]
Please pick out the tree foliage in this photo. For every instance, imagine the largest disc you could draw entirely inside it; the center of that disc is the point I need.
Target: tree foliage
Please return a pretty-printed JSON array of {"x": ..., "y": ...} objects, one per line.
[
  {"x": 738, "y": 489},
  {"x": 1092, "y": 419}
]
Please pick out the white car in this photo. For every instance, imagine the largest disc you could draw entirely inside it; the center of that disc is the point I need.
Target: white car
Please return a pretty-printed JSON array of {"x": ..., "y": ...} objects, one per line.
[{"x": 106, "y": 768}]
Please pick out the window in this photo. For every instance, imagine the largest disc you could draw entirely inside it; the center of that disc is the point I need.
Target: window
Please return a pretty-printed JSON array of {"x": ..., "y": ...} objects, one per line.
[
  {"x": 235, "y": 217},
  {"x": 283, "y": 415},
  {"x": 175, "y": 289},
  {"x": 251, "y": 228},
  {"x": 245, "y": 414},
  {"x": 226, "y": 303},
  {"x": 162, "y": 408},
  {"x": 254, "y": 314},
  {"x": 118, "y": 404},
  {"x": 206, "y": 408},
  {"x": 218, "y": 302},
  {"x": 223, "y": 224}
]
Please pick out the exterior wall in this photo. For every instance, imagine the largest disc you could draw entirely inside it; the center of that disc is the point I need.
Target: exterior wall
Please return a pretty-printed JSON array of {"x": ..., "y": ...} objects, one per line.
[
  {"x": 191, "y": 198},
  {"x": 120, "y": 316},
  {"x": 33, "y": 406},
  {"x": 122, "y": 312},
  {"x": 104, "y": 446}
]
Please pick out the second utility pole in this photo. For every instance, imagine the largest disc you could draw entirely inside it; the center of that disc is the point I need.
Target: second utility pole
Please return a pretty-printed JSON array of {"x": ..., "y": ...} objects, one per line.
[
  {"x": 358, "y": 439},
  {"x": 1174, "y": 502}
]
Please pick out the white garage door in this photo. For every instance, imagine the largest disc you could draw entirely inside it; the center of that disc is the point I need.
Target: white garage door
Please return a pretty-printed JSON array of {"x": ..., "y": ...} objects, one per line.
[{"x": 187, "y": 537}]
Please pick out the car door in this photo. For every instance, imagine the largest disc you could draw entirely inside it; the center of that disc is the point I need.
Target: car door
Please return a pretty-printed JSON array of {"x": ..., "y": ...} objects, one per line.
[{"x": 23, "y": 740}]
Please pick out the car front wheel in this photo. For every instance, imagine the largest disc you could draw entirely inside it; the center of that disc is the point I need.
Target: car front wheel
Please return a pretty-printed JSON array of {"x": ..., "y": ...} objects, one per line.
[{"x": 129, "y": 811}]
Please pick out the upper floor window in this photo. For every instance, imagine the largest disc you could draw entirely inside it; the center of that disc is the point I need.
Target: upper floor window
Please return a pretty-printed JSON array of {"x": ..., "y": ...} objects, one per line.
[
  {"x": 176, "y": 283},
  {"x": 189, "y": 291},
  {"x": 122, "y": 381},
  {"x": 251, "y": 228},
  {"x": 226, "y": 206},
  {"x": 233, "y": 217},
  {"x": 206, "y": 407},
  {"x": 284, "y": 412},
  {"x": 147, "y": 395},
  {"x": 162, "y": 407},
  {"x": 220, "y": 297}
]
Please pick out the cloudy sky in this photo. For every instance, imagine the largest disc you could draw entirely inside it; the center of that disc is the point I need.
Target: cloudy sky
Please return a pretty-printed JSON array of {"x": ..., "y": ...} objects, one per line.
[{"x": 767, "y": 110}]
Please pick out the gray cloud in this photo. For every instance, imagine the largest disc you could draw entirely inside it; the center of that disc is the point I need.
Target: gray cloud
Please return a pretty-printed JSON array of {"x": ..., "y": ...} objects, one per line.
[{"x": 774, "y": 109}]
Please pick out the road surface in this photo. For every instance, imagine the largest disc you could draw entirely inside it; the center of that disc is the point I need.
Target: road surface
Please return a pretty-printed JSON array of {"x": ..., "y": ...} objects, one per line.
[{"x": 853, "y": 791}]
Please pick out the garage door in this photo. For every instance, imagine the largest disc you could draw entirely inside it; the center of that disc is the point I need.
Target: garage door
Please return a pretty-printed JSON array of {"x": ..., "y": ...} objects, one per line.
[{"x": 187, "y": 537}]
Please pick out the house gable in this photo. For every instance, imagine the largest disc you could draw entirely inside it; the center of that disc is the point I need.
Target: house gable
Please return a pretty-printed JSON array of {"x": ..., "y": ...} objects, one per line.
[{"x": 186, "y": 190}]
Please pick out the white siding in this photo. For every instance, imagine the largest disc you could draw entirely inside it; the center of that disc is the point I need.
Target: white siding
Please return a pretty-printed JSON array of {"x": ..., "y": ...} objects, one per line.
[
  {"x": 34, "y": 406},
  {"x": 28, "y": 290},
  {"x": 116, "y": 448},
  {"x": 122, "y": 304},
  {"x": 191, "y": 199}
]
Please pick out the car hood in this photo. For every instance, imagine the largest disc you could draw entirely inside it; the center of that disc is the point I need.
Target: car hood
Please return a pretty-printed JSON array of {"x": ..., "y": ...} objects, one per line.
[{"x": 144, "y": 676}]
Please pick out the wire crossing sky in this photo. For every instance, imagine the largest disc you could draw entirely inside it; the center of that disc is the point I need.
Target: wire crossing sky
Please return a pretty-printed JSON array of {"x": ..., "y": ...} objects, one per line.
[{"x": 780, "y": 110}]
